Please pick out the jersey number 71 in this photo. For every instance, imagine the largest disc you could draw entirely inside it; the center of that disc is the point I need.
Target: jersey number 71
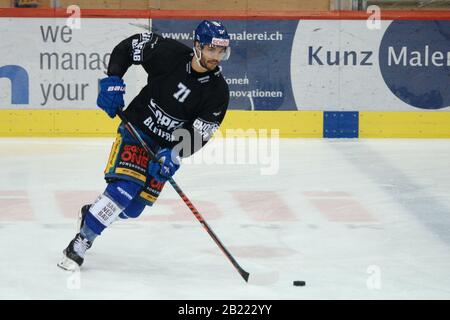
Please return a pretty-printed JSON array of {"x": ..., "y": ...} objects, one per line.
[{"x": 181, "y": 94}]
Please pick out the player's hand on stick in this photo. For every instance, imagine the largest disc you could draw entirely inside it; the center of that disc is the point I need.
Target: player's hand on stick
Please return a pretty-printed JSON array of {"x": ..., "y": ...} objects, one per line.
[
  {"x": 164, "y": 164},
  {"x": 110, "y": 98}
]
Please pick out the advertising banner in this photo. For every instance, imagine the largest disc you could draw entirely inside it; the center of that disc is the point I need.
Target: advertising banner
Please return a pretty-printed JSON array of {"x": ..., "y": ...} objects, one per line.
[
  {"x": 329, "y": 65},
  {"x": 45, "y": 64},
  {"x": 344, "y": 65}
]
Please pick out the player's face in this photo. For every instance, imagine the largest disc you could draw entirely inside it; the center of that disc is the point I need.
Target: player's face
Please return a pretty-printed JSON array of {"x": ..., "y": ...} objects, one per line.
[{"x": 211, "y": 56}]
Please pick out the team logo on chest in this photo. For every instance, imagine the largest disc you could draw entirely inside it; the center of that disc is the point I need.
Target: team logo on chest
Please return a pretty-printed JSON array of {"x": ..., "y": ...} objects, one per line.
[{"x": 160, "y": 123}]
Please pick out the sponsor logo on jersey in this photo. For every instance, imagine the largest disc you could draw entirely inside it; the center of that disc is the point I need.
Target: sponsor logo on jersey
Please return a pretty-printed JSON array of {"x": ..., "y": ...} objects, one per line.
[
  {"x": 154, "y": 43},
  {"x": 218, "y": 72},
  {"x": 139, "y": 44},
  {"x": 160, "y": 123},
  {"x": 163, "y": 119},
  {"x": 124, "y": 193},
  {"x": 156, "y": 185},
  {"x": 204, "y": 128},
  {"x": 203, "y": 79},
  {"x": 134, "y": 155}
]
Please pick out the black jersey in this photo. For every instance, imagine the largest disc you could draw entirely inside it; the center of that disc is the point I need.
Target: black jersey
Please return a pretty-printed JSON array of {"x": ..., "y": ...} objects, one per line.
[{"x": 175, "y": 96}]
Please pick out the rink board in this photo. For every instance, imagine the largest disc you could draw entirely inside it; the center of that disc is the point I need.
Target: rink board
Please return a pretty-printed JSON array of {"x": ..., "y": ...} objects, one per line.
[
  {"x": 291, "y": 124},
  {"x": 67, "y": 123}
]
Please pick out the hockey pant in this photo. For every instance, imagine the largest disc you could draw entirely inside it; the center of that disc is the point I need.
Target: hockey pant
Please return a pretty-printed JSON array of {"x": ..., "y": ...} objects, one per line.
[{"x": 130, "y": 188}]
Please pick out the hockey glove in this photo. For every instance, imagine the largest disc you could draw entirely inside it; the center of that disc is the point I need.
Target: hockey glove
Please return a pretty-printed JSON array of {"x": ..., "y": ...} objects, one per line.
[
  {"x": 110, "y": 98},
  {"x": 164, "y": 165}
]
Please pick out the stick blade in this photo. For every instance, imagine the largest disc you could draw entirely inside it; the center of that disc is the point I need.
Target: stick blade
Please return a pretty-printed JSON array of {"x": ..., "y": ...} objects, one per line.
[
  {"x": 245, "y": 275},
  {"x": 264, "y": 279}
]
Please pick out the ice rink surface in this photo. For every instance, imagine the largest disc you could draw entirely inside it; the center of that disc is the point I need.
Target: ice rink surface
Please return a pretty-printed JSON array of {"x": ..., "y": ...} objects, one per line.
[{"x": 355, "y": 219}]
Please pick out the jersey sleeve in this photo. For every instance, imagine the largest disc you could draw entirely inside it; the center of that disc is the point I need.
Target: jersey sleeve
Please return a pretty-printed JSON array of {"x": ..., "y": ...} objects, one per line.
[
  {"x": 136, "y": 49},
  {"x": 206, "y": 123}
]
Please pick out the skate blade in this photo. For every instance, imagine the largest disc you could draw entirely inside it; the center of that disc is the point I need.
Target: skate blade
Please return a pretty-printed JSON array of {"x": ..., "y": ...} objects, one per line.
[{"x": 68, "y": 264}]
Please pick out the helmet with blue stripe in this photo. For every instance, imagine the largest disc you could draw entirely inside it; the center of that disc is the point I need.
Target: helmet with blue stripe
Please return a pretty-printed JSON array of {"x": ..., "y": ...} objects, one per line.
[{"x": 213, "y": 33}]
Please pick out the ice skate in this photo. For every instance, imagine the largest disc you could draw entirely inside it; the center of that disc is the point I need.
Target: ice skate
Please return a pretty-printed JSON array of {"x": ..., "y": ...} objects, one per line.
[{"x": 74, "y": 253}]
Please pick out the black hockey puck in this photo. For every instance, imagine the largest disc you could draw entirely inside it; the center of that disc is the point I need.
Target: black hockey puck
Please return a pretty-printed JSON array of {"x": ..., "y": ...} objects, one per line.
[{"x": 299, "y": 283}]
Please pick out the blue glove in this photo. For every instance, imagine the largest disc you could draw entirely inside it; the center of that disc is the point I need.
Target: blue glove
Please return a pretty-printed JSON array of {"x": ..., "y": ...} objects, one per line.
[
  {"x": 164, "y": 165},
  {"x": 110, "y": 97}
]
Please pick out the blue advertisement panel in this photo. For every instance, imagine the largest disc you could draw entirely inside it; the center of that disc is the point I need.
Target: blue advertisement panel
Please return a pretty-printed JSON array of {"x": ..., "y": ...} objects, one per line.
[
  {"x": 258, "y": 71},
  {"x": 415, "y": 62}
]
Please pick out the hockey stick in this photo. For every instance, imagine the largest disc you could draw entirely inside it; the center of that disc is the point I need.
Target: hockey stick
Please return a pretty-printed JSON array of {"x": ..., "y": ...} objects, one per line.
[{"x": 244, "y": 274}]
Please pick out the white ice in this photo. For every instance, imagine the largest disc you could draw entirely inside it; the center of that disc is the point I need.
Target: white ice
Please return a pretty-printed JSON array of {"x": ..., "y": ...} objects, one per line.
[{"x": 355, "y": 219}]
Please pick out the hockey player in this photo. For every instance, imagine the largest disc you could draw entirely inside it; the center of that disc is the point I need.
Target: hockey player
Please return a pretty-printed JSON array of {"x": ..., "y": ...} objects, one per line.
[{"x": 184, "y": 102}]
